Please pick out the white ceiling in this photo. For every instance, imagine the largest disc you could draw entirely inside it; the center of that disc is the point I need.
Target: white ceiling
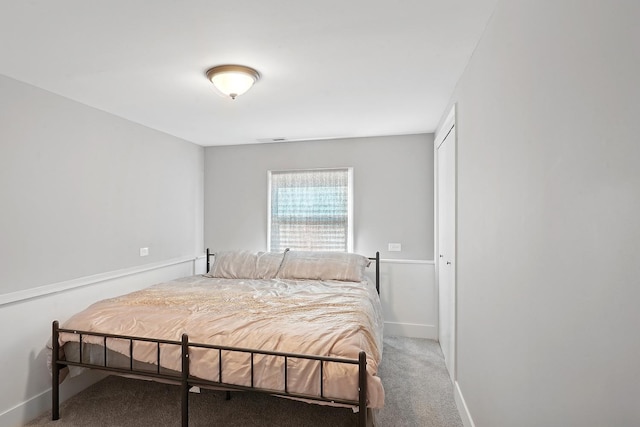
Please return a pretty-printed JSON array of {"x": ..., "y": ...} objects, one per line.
[{"x": 331, "y": 68}]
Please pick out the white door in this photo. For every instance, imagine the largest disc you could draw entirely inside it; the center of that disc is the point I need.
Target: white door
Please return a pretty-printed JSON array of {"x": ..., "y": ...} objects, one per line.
[{"x": 446, "y": 190}]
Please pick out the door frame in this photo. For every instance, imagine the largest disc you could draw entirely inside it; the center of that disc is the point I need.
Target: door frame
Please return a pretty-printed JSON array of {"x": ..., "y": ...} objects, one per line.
[{"x": 440, "y": 135}]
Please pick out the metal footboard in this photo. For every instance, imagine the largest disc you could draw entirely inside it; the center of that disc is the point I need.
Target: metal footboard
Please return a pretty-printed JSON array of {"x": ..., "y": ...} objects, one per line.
[{"x": 186, "y": 381}]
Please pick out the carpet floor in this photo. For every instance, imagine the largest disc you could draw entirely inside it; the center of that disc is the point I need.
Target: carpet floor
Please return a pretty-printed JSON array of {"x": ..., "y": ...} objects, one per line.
[{"x": 417, "y": 388}]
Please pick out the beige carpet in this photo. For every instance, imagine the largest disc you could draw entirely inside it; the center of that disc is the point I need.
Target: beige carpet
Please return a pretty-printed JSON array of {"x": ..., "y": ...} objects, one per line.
[{"x": 417, "y": 386}]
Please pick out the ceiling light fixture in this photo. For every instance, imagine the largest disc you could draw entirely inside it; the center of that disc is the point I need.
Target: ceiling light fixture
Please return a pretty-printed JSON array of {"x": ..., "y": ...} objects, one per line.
[{"x": 232, "y": 80}]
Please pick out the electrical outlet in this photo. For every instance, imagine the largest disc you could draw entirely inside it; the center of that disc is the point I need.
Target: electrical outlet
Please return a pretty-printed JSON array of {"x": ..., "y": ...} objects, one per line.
[
  {"x": 395, "y": 247},
  {"x": 144, "y": 251}
]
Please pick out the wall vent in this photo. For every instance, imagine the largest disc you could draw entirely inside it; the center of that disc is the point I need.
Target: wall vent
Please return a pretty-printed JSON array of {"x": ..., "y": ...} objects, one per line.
[{"x": 278, "y": 139}]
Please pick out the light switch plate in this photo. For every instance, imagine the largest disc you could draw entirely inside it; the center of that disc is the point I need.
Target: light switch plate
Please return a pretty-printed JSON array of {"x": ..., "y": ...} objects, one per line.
[
  {"x": 144, "y": 251},
  {"x": 395, "y": 247}
]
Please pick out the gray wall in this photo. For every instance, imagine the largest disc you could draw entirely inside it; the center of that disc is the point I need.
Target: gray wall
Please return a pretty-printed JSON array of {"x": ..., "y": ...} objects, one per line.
[
  {"x": 393, "y": 191},
  {"x": 82, "y": 190},
  {"x": 548, "y": 221}
]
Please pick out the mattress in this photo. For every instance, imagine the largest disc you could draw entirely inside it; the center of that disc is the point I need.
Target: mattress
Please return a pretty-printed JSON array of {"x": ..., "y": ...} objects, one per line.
[{"x": 316, "y": 317}]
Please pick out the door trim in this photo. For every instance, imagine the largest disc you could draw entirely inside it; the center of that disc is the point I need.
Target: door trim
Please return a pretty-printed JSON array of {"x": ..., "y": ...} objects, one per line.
[
  {"x": 445, "y": 128},
  {"x": 441, "y": 134}
]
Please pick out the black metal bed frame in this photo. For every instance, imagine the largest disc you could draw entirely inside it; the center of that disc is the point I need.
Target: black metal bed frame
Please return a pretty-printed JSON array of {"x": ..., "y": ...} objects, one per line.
[{"x": 186, "y": 381}]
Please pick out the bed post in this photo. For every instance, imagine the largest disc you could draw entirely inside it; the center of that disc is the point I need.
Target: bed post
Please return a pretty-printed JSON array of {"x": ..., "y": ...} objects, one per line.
[
  {"x": 362, "y": 385},
  {"x": 55, "y": 373},
  {"x": 378, "y": 272},
  {"x": 185, "y": 380},
  {"x": 208, "y": 260}
]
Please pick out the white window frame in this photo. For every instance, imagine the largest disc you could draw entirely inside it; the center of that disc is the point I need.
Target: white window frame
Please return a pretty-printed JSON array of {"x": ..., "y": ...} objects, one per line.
[{"x": 350, "y": 225}]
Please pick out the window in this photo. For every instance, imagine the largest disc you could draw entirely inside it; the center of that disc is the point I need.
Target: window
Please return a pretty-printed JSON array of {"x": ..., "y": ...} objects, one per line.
[{"x": 311, "y": 210}]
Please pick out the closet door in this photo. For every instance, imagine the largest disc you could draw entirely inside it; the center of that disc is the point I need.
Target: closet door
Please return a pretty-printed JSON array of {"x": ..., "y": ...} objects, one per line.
[{"x": 446, "y": 262}]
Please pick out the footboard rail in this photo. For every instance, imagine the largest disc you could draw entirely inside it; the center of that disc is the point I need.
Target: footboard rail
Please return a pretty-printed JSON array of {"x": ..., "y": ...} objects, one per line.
[{"x": 186, "y": 380}]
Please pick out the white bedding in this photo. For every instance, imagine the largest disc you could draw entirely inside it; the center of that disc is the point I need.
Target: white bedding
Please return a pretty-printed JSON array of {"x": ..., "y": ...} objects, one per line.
[{"x": 325, "y": 318}]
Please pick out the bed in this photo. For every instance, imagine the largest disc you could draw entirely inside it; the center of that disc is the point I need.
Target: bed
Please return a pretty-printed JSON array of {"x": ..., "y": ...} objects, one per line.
[{"x": 301, "y": 325}]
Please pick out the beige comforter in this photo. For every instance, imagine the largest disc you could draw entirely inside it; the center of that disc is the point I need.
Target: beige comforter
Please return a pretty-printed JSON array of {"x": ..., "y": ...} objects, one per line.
[{"x": 327, "y": 318}]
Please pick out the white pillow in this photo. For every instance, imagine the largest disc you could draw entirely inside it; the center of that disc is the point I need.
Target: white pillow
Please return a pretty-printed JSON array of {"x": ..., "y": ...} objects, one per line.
[
  {"x": 246, "y": 265},
  {"x": 341, "y": 266}
]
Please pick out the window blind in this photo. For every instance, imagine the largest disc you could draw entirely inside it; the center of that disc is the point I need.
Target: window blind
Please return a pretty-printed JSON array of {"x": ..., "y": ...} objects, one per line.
[{"x": 310, "y": 210}]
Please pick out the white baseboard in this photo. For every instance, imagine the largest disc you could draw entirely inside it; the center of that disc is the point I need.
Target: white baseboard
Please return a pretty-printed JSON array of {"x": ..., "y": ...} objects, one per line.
[
  {"x": 462, "y": 406},
  {"x": 411, "y": 330},
  {"x": 40, "y": 403}
]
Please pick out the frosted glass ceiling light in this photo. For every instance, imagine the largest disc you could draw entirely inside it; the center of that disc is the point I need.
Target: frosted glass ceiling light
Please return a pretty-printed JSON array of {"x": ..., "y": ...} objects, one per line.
[{"x": 232, "y": 80}]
